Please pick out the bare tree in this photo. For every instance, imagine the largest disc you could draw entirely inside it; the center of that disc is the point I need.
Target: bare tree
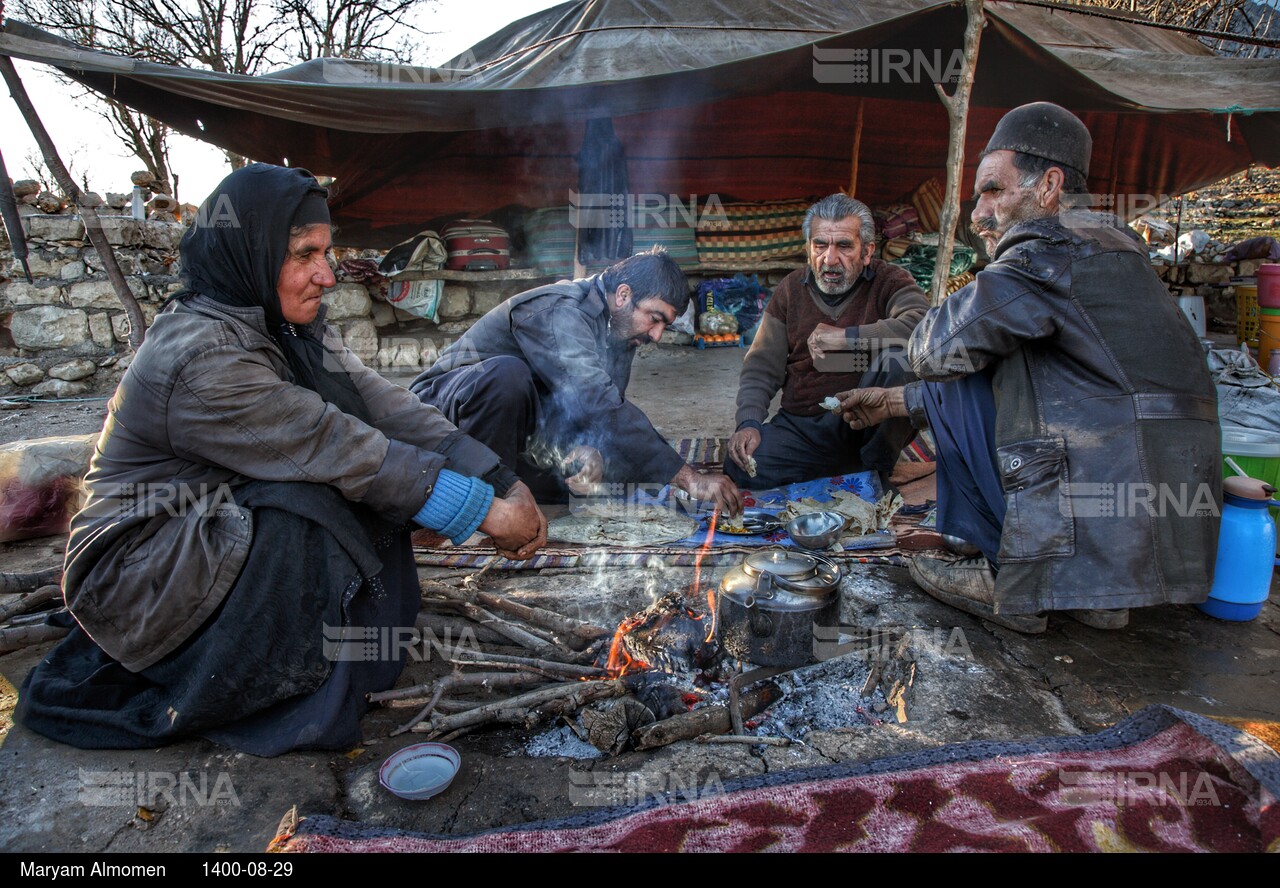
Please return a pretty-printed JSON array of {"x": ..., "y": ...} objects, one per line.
[
  {"x": 226, "y": 36},
  {"x": 1246, "y": 18},
  {"x": 352, "y": 29}
]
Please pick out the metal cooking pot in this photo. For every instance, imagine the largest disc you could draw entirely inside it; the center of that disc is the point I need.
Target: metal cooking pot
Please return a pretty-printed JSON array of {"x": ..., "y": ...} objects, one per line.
[{"x": 768, "y": 605}]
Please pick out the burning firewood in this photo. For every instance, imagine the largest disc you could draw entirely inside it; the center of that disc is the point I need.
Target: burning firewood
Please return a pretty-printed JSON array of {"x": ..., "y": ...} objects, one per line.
[
  {"x": 609, "y": 727},
  {"x": 707, "y": 720},
  {"x": 667, "y": 636}
]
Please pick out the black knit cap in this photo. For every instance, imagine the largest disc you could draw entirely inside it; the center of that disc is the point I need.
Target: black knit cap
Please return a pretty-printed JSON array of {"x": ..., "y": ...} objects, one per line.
[{"x": 1045, "y": 130}]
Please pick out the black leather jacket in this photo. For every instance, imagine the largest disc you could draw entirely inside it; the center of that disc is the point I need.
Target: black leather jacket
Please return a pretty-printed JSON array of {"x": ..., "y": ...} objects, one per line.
[{"x": 1107, "y": 432}]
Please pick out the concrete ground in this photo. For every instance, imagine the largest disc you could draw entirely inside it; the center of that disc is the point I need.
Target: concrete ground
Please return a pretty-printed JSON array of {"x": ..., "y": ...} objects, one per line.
[{"x": 994, "y": 684}]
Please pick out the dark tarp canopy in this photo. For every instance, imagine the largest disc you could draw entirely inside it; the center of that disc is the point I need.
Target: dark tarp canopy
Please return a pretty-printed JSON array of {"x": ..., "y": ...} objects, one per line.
[{"x": 748, "y": 100}]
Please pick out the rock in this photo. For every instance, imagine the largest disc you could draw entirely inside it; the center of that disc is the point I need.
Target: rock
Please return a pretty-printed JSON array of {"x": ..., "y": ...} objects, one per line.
[
  {"x": 100, "y": 329},
  {"x": 456, "y": 301},
  {"x": 56, "y": 228},
  {"x": 362, "y": 338},
  {"x": 455, "y": 328},
  {"x": 1203, "y": 273},
  {"x": 25, "y": 187},
  {"x": 30, "y": 200},
  {"x": 163, "y": 203},
  {"x": 1249, "y": 267},
  {"x": 72, "y": 271},
  {"x": 93, "y": 294},
  {"x": 60, "y": 388},
  {"x": 119, "y": 327},
  {"x": 145, "y": 178},
  {"x": 71, "y": 371},
  {"x": 347, "y": 301},
  {"x": 22, "y": 293},
  {"x": 402, "y": 355},
  {"x": 92, "y": 199},
  {"x": 486, "y": 300},
  {"x": 47, "y": 326},
  {"x": 130, "y": 262},
  {"x": 119, "y": 200},
  {"x": 187, "y": 212},
  {"x": 48, "y": 202},
  {"x": 122, "y": 231},
  {"x": 45, "y": 263},
  {"x": 161, "y": 216},
  {"x": 162, "y": 234},
  {"x": 383, "y": 314},
  {"x": 24, "y": 374}
]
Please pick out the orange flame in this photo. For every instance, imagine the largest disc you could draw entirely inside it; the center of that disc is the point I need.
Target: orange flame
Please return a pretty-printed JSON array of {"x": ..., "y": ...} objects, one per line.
[
  {"x": 620, "y": 662},
  {"x": 697, "y": 575}
]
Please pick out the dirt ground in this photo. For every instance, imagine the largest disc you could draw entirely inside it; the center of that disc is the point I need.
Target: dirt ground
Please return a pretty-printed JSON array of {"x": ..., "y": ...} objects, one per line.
[{"x": 994, "y": 685}]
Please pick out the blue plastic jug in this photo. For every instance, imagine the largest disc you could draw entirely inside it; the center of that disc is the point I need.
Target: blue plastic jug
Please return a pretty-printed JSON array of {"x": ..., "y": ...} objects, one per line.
[{"x": 1246, "y": 551}]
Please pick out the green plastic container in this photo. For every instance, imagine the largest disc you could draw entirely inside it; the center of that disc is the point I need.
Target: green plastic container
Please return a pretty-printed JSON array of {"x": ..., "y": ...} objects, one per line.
[{"x": 1257, "y": 453}]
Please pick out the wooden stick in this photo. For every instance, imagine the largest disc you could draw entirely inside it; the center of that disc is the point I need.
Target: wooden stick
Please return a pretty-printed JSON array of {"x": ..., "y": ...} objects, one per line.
[
  {"x": 33, "y": 619},
  {"x": 564, "y": 670},
  {"x": 857, "y": 148},
  {"x": 516, "y": 708},
  {"x": 22, "y": 583},
  {"x": 92, "y": 224},
  {"x": 957, "y": 113},
  {"x": 25, "y": 636},
  {"x": 30, "y": 602},
  {"x": 457, "y": 627},
  {"x": 745, "y": 738},
  {"x": 707, "y": 720},
  {"x": 452, "y": 682},
  {"x": 458, "y": 680},
  {"x": 537, "y": 616}
]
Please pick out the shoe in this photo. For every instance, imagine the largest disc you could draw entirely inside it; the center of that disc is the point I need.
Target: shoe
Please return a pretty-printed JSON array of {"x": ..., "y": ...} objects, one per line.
[
  {"x": 970, "y": 585},
  {"x": 1102, "y": 619},
  {"x": 959, "y": 546}
]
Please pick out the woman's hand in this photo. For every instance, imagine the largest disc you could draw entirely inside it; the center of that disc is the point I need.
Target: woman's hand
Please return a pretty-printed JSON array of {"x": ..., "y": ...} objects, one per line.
[{"x": 515, "y": 524}]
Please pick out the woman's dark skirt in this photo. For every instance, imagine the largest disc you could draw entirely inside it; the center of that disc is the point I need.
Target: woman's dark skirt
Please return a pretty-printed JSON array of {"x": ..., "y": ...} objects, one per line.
[{"x": 285, "y": 662}]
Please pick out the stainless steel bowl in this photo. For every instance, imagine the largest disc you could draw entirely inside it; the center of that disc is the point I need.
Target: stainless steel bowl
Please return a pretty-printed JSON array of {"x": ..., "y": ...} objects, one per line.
[{"x": 816, "y": 530}]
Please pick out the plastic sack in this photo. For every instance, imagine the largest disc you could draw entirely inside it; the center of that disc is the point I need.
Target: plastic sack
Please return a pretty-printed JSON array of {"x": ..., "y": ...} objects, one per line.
[
  {"x": 41, "y": 485},
  {"x": 717, "y": 322},
  {"x": 421, "y": 298},
  {"x": 741, "y": 296}
]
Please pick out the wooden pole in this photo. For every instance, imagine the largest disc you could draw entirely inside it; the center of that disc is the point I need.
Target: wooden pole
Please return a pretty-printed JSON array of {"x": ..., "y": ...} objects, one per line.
[
  {"x": 957, "y": 112},
  {"x": 857, "y": 147},
  {"x": 92, "y": 224}
]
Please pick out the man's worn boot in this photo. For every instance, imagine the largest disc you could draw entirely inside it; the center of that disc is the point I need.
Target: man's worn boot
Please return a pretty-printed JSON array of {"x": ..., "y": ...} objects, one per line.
[{"x": 970, "y": 586}]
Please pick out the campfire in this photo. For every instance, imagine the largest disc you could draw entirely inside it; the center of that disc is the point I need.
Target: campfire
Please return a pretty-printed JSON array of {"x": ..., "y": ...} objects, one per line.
[
  {"x": 669, "y": 635},
  {"x": 660, "y": 676}
]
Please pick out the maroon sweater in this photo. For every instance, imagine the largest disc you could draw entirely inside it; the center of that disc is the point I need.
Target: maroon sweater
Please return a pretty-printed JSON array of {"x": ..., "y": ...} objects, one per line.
[{"x": 884, "y": 306}]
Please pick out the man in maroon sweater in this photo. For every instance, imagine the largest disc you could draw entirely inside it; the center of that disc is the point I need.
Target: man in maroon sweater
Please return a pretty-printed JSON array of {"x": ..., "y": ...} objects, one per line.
[{"x": 838, "y": 324}]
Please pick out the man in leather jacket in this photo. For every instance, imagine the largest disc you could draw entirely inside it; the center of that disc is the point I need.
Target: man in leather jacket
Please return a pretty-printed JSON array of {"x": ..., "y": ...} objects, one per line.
[{"x": 1076, "y": 424}]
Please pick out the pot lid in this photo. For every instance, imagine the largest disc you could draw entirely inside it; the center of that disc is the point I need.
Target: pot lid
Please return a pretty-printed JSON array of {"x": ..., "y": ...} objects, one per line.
[{"x": 781, "y": 563}]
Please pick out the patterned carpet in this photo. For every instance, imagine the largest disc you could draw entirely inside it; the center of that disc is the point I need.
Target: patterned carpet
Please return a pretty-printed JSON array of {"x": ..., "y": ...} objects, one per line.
[{"x": 1161, "y": 780}]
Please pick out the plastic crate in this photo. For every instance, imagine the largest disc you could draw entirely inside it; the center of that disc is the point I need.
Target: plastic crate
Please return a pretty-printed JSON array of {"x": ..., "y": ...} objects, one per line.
[
  {"x": 700, "y": 341},
  {"x": 1247, "y": 314}
]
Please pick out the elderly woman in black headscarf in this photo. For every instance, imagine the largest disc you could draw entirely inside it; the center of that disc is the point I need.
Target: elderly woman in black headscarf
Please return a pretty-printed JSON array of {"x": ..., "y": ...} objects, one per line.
[{"x": 242, "y": 569}]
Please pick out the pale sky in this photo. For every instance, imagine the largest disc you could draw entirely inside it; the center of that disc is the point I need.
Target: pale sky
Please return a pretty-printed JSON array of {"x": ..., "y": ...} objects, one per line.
[{"x": 84, "y": 143}]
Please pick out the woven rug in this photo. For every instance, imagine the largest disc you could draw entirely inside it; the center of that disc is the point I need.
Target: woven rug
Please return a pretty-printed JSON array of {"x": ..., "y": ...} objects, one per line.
[{"x": 1161, "y": 780}]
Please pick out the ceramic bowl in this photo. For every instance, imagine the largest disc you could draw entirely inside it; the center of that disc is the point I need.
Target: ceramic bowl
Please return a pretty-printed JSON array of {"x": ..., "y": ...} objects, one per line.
[{"x": 420, "y": 771}]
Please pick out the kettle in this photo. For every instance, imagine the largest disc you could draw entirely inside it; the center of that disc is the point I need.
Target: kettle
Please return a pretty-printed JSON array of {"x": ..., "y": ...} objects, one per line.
[{"x": 1246, "y": 551}]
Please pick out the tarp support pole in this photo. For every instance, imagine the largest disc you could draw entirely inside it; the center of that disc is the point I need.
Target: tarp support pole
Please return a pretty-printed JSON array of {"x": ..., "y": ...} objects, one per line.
[
  {"x": 957, "y": 112},
  {"x": 857, "y": 147},
  {"x": 92, "y": 224}
]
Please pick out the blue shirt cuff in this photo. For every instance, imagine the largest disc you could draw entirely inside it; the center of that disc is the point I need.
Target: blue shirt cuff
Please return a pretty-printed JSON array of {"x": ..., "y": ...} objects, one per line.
[{"x": 457, "y": 506}]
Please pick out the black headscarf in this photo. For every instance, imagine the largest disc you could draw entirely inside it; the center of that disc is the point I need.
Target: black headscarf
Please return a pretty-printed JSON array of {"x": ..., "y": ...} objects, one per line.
[{"x": 233, "y": 254}]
